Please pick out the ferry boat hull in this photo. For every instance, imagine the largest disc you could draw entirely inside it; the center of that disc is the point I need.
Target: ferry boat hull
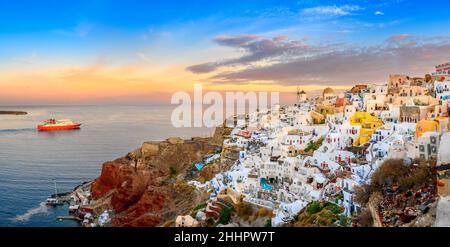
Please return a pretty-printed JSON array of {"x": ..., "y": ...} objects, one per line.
[
  {"x": 59, "y": 127},
  {"x": 53, "y": 124}
]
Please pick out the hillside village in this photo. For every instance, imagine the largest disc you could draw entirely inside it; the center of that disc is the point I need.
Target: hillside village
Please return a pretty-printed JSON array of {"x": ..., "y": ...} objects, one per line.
[{"x": 375, "y": 155}]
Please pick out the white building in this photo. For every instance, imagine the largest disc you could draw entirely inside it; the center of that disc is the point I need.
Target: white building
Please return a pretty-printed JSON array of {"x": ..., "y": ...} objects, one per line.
[
  {"x": 349, "y": 111},
  {"x": 348, "y": 190},
  {"x": 442, "y": 89},
  {"x": 428, "y": 145},
  {"x": 375, "y": 98}
]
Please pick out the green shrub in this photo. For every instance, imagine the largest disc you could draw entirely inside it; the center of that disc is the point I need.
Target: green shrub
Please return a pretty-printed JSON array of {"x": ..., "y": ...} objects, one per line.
[
  {"x": 313, "y": 146},
  {"x": 345, "y": 221},
  {"x": 210, "y": 222},
  {"x": 335, "y": 209},
  {"x": 225, "y": 215},
  {"x": 173, "y": 171},
  {"x": 314, "y": 207},
  {"x": 199, "y": 206}
]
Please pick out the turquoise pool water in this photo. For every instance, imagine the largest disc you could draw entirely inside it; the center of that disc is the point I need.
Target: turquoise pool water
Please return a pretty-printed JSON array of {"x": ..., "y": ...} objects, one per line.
[{"x": 265, "y": 185}]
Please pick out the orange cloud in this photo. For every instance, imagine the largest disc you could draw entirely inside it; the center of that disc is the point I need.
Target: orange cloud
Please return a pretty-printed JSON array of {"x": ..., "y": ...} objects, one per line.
[
  {"x": 143, "y": 82},
  {"x": 74, "y": 84}
]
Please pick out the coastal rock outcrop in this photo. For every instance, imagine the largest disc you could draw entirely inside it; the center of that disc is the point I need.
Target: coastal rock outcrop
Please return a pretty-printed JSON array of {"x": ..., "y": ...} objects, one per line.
[
  {"x": 13, "y": 113},
  {"x": 147, "y": 186},
  {"x": 150, "y": 149}
]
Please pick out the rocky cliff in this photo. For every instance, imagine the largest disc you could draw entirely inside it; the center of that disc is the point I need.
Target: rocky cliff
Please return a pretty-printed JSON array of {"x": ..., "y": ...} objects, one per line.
[
  {"x": 147, "y": 187},
  {"x": 400, "y": 194}
]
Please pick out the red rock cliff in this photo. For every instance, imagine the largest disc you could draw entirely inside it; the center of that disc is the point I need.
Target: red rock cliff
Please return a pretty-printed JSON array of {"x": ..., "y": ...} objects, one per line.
[{"x": 147, "y": 187}]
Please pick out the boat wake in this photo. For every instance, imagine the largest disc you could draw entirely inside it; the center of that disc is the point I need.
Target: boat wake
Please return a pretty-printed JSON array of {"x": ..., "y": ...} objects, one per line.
[
  {"x": 17, "y": 130},
  {"x": 27, "y": 215}
]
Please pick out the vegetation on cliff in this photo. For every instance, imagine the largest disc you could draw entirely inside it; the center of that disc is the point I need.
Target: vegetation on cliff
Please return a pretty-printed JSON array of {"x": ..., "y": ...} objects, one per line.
[
  {"x": 225, "y": 215},
  {"x": 320, "y": 213},
  {"x": 314, "y": 145}
]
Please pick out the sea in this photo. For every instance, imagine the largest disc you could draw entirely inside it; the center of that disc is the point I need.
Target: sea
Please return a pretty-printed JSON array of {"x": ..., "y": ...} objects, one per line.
[{"x": 31, "y": 161}]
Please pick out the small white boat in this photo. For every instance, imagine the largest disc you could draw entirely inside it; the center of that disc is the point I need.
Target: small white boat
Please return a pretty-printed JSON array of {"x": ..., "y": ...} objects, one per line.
[
  {"x": 53, "y": 201},
  {"x": 73, "y": 208}
]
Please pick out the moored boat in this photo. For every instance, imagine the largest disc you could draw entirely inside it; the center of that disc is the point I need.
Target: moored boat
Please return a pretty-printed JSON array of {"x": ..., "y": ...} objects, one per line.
[
  {"x": 74, "y": 208},
  {"x": 53, "y": 124},
  {"x": 54, "y": 201}
]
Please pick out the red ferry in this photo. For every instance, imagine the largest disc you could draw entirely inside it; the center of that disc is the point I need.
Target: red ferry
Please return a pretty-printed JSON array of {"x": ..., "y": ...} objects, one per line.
[{"x": 53, "y": 124}]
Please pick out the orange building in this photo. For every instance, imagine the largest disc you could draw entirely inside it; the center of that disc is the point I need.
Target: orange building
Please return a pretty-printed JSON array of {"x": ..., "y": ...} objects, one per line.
[
  {"x": 340, "y": 102},
  {"x": 437, "y": 125}
]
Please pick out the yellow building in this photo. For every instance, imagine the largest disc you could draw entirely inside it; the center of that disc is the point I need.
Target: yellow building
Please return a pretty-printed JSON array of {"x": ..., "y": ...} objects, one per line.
[
  {"x": 437, "y": 125},
  {"x": 368, "y": 125}
]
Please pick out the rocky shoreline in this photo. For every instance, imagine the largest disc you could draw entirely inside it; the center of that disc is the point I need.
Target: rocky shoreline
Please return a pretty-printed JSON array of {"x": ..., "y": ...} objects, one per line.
[
  {"x": 13, "y": 113},
  {"x": 148, "y": 186}
]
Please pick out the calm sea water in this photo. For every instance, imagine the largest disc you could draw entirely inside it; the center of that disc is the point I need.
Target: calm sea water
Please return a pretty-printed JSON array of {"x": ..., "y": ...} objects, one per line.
[{"x": 30, "y": 160}]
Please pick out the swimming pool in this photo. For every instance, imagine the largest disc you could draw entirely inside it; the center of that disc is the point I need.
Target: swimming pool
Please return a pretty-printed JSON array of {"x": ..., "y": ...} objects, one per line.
[{"x": 265, "y": 185}]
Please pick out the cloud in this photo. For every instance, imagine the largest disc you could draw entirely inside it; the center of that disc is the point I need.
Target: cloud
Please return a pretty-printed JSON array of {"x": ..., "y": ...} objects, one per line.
[
  {"x": 203, "y": 68},
  {"x": 31, "y": 59},
  {"x": 143, "y": 56},
  {"x": 235, "y": 41},
  {"x": 398, "y": 38},
  {"x": 332, "y": 10},
  {"x": 94, "y": 83},
  {"x": 379, "y": 13},
  {"x": 294, "y": 62},
  {"x": 255, "y": 49}
]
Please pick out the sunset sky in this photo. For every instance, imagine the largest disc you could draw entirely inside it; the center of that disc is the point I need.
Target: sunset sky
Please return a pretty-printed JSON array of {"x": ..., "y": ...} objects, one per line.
[{"x": 83, "y": 52}]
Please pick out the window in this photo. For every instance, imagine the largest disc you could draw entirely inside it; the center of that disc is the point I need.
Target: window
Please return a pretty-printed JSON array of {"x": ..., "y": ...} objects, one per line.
[{"x": 422, "y": 148}]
